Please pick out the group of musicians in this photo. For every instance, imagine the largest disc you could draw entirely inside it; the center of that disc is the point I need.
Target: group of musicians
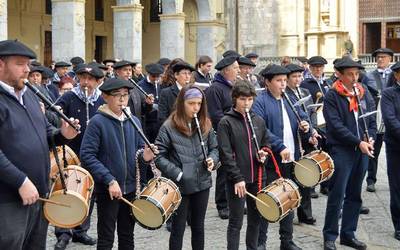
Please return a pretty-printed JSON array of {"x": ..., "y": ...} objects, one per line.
[{"x": 252, "y": 139}]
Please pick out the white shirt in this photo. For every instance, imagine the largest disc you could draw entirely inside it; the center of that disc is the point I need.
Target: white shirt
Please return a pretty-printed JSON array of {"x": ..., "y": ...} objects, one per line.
[
  {"x": 12, "y": 92},
  {"x": 288, "y": 139},
  {"x": 179, "y": 86}
]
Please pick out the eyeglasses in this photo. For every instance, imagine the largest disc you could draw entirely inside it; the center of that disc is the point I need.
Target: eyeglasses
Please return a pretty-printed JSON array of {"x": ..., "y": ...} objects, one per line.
[{"x": 119, "y": 95}]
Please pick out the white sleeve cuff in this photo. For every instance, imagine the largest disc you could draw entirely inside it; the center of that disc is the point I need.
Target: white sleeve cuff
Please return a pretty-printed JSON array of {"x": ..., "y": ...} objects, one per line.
[{"x": 179, "y": 176}]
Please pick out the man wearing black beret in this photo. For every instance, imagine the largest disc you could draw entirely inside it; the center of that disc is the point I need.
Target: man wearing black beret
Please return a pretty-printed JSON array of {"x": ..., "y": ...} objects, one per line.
[
  {"x": 138, "y": 102},
  {"x": 246, "y": 67},
  {"x": 219, "y": 100},
  {"x": 390, "y": 105},
  {"x": 81, "y": 102},
  {"x": 350, "y": 148},
  {"x": 376, "y": 81},
  {"x": 25, "y": 136}
]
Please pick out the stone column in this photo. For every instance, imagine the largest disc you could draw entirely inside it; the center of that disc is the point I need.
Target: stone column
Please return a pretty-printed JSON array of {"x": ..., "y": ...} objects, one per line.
[
  {"x": 3, "y": 20},
  {"x": 68, "y": 29},
  {"x": 210, "y": 35},
  {"x": 128, "y": 31},
  {"x": 172, "y": 35}
]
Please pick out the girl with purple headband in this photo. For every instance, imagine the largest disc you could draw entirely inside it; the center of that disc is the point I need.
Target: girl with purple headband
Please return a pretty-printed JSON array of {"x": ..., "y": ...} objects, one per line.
[{"x": 181, "y": 158}]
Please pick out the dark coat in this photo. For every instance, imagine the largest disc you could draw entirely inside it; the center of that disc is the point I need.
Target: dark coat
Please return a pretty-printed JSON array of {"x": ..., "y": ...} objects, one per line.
[
  {"x": 167, "y": 102},
  {"x": 219, "y": 99},
  {"x": 180, "y": 153},
  {"x": 341, "y": 128},
  {"x": 137, "y": 104},
  {"x": 312, "y": 85},
  {"x": 24, "y": 145},
  {"x": 390, "y": 105},
  {"x": 200, "y": 78},
  {"x": 151, "y": 116},
  {"x": 237, "y": 151},
  {"x": 73, "y": 106},
  {"x": 108, "y": 151}
]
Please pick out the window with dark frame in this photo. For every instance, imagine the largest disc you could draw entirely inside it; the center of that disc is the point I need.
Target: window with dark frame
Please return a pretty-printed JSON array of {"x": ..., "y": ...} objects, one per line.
[
  {"x": 155, "y": 10},
  {"x": 99, "y": 10},
  {"x": 48, "y": 7}
]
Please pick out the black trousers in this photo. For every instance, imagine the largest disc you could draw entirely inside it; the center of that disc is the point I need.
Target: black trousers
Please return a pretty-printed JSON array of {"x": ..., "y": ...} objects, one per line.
[
  {"x": 22, "y": 227},
  {"x": 109, "y": 213},
  {"x": 66, "y": 233},
  {"x": 198, "y": 206},
  {"x": 286, "y": 224},
  {"x": 304, "y": 211},
  {"x": 393, "y": 172},
  {"x": 373, "y": 162},
  {"x": 236, "y": 208},
  {"x": 220, "y": 189}
]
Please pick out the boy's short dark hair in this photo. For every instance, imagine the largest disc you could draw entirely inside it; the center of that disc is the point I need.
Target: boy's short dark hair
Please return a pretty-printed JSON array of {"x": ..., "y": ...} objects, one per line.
[{"x": 242, "y": 88}]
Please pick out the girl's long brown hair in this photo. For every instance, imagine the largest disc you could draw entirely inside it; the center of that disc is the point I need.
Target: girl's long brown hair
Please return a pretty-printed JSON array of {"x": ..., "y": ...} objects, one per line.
[
  {"x": 179, "y": 119},
  {"x": 168, "y": 78}
]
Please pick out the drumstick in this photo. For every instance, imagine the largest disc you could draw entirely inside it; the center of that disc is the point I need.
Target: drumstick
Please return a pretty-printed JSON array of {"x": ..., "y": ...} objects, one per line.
[
  {"x": 301, "y": 165},
  {"x": 131, "y": 204},
  {"x": 257, "y": 199},
  {"x": 54, "y": 202}
]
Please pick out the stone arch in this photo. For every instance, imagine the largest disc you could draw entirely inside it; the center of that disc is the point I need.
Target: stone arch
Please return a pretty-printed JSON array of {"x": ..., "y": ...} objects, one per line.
[
  {"x": 172, "y": 6},
  {"x": 205, "y": 10}
]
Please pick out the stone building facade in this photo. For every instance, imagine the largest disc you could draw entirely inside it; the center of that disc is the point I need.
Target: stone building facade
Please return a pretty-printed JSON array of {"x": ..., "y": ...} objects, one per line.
[{"x": 145, "y": 30}]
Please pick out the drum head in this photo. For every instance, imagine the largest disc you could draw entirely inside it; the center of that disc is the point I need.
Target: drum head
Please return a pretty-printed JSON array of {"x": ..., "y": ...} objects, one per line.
[
  {"x": 271, "y": 213},
  {"x": 150, "y": 215},
  {"x": 66, "y": 217},
  {"x": 308, "y": 174}
]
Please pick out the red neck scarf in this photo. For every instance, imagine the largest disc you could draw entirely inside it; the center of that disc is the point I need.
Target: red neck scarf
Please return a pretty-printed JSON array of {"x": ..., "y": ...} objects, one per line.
[{"x": 341, "y": 89}]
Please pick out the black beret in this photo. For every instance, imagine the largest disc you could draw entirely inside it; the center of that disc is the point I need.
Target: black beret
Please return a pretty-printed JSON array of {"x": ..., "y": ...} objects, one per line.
[
  {"x": 302, "y": 59},
  {"x": 225, "y": 62},
  {"x": 274, "y": 70},
  {"x": 98, "y": 65},
  {"x": 123, "y": 63},
  {"x": 229, "y": 53},
  {"x": 317, "y": 60},
  {"x": 77, "y": 60},
  {"x": 245, "y": 61},
  {"x": 47, "y": 72},
  {"x": 294, "y": 68},
  {"x": 15, "y": 48},
  {"x": 108, "y": 60},
  {"x": 154, "y": 69},
  {"x": 36, "y": 69},
  {"x": 383, "y": 51},
  {"x": 251, "y": 55},
  {"x": 346, "y": 62},
  {"x": 164, "y": 61},
  {"x": 396, "y": 67},
  {"x": 89, "y": 69},
  {"x": 182, "y": 65},
  {"x": 114, "y": 84},
  {"x": 62, "y": 64},
  {"x": 36, "y": 63}
]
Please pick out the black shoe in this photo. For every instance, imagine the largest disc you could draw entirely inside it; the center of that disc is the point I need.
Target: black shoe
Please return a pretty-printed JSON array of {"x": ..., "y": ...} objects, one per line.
[
  {"x": 397, "y": 235},
  {"x": 309, "y": 220},
  {"x": 245, "y": 210},
  {"x": 329, "y": 245},
  {"x": 353, "y": 243},
  {"x": 223, "y": 213},
  {"x": 364, "y": 210},
  {"x": 371, "y": 188},
  {"x": 289, "y": 245},
  {"x": 61, "y": 244},
  {"x": 314, "y": 195},
  {"x": 324, "y": 190},
  {"x": 84, "y": 239}
]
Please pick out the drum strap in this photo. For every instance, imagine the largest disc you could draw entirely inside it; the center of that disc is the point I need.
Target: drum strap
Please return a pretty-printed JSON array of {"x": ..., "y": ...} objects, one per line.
[
  {"x": 138, "y": 188},
  {"x": 277, "y": 171}
]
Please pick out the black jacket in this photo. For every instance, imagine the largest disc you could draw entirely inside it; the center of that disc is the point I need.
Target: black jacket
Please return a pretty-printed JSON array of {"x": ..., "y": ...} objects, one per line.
[
  {"x": 137, "y": 104},
  {"x": 180, "y": 153},
  {"x": 390, "y": 104},
  {"x": 200, "y": 78},
  {"x": 236, "y": 147},
  {"x": 219, "y": 99},
  {"x": 167, "y": 101},
  {"x": 24, "y": 147},
  {"x": 312, "y": 85}
]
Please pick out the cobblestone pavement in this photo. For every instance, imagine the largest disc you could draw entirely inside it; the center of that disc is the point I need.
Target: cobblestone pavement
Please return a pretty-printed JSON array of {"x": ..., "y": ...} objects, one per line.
[{"x": 375, "y": 228}]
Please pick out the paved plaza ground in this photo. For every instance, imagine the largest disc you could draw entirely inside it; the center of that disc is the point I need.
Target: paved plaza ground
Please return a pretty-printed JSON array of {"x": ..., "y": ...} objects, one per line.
[{"x": 375, "y": 228}]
